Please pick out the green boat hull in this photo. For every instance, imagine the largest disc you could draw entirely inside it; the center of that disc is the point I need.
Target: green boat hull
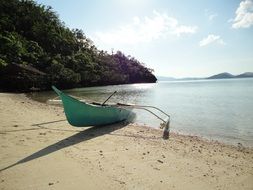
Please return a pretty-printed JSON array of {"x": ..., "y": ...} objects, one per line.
[{"x": 81, "y": 114}]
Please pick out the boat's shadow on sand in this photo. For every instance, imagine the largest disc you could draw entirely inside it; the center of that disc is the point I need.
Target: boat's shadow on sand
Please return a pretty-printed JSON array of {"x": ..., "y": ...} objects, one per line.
[{"x": 82, "y": 136}]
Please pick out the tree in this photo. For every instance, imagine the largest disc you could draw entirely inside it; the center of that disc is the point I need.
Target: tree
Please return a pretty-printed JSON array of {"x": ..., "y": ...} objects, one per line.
[{"x": 32, "y": 34}]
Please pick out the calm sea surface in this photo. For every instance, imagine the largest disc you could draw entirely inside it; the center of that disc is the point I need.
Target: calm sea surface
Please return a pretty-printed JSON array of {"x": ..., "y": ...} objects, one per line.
[{"x": 215, "y": 109}]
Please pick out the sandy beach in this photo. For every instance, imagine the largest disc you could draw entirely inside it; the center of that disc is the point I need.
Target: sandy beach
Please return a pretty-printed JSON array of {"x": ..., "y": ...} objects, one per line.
[{"x": 39, "y": 153}]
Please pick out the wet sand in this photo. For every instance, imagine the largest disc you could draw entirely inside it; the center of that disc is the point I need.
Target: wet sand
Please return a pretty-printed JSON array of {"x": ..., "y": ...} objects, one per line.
[{"x": 36, "y": 152}]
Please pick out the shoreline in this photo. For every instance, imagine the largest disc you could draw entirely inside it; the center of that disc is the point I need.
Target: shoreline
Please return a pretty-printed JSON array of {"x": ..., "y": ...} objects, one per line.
[
  {"x": 203, "y": 138},
  {"x": 225, "y": 133},
  {"x": 37, "y": 154}
]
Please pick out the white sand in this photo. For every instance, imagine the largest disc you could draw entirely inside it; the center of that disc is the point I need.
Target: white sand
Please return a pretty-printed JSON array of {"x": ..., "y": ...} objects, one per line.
[{"x": 59, "y": 156}]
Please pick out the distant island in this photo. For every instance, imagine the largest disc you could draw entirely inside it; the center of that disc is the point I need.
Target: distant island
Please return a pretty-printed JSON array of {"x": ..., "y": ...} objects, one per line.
[
  {"x": 229, "y": 75},
  {"x": 37, "y": 50},
  {"x": 224, "y": 75}
]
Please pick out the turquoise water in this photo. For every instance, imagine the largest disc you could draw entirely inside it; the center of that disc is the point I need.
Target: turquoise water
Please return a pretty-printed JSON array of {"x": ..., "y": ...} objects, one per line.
[{"x": 215, "y": 109}]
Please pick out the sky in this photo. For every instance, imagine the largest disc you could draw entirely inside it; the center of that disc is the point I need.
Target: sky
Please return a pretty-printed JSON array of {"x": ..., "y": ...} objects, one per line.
[{"x": 176, "y": 38}]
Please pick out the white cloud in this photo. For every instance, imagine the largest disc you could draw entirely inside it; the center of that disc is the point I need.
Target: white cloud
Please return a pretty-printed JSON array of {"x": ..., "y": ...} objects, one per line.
[
  {"x": 244, "y": 15},
  {"x": 211, "y": 38},
  {"x": 145, "y": 30}
]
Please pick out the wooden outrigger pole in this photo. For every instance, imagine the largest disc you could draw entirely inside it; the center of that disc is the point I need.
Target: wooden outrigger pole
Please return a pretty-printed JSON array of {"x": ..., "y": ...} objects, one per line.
[{"x": 165, "y": 122}]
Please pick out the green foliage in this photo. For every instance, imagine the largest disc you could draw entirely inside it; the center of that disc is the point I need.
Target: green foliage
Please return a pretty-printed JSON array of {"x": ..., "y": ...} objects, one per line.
[
  {"x": 32, "y": 34},
  {"x": 2, "y": 63}
]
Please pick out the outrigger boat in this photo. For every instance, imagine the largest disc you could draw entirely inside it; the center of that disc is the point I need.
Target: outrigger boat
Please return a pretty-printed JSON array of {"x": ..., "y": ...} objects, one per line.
[{"x": 79, "y": 113}]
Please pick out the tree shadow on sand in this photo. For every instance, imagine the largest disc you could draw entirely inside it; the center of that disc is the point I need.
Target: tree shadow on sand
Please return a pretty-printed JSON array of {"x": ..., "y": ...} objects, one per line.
[{"x": 82, "y": 136}]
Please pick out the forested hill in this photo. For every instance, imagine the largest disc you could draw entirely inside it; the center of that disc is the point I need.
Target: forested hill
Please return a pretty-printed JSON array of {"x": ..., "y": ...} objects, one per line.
[{"x": 38, "y": 50}]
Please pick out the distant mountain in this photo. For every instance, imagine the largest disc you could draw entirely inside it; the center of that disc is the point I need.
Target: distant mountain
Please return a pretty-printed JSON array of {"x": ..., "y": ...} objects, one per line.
[
  {"x": 229, "y": 75},
  {"x": 224, "y": 75},
  {"x": 245, "y": 75},
  {"x": 221, "y": 76}
]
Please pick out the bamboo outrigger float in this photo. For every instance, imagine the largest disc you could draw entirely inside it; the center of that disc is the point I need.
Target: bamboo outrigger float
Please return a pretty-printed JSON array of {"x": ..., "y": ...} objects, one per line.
[{"x": 82, "y": 114}]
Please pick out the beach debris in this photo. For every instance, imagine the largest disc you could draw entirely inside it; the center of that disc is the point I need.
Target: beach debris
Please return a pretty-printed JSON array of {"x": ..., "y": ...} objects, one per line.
[
  {"x": 42, "y": 133},
  {"x": 240, "y": 147},
  {"x": 50, "y": 183},
  {"x": 15, "y": 125},
  {"x": 160, "y": 161},
  {"x": 121, "y": 182},
  {"x": 155, "y": 168},
  {"x": 101, "y": 153}
]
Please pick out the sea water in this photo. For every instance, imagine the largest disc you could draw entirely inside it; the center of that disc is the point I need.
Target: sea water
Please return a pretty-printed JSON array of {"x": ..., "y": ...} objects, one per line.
[{"x": 214, "y": 109}]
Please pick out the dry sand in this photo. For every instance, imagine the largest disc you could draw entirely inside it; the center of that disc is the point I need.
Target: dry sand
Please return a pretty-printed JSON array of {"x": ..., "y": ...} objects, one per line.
[{"x": 58, "y": 156}]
